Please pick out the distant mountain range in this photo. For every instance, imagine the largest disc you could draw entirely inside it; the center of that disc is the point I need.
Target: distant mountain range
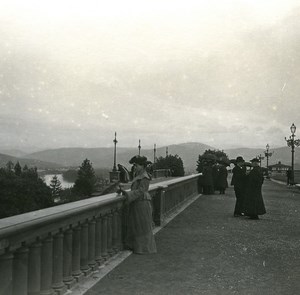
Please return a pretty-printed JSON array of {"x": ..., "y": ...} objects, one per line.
[
  {"x": 103, "y": 157},
  {"x": 29, "y": 162}
]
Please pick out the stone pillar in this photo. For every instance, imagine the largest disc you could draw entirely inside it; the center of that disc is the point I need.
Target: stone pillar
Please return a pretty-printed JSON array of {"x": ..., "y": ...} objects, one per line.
[
  {"x": 76, "y": 240},
  {"x": 57, "y": 277},
  {"x": 98, "y": 240},
  {"x": 84, "y": 249},
  {"x": 109, "y": 234},
  {"x": 91, "y": 244},
  {"x": 120, "y": 226},
  {"x": 20, "y": 271},
  {"x": 104, "y": 237},
  {"x": 115, "y": 232},
  {"x": 6, "y": 271},
  {"x": 34, "y": 269},
  {"x": 47, "y": 266},
  {"x": 114, "y": 176},
  {"x": 158, "y": 206},
  {"x": 67, "y": 264}
]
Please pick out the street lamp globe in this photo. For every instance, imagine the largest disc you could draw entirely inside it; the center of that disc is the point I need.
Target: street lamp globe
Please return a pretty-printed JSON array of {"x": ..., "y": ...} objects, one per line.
[{"x": 293, "y": 128}]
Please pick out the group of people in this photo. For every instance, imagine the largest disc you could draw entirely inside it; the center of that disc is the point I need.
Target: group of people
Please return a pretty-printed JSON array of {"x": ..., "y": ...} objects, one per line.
[
  {"x": 214, "y": 177},
  {"x": 247, "y": 188}
]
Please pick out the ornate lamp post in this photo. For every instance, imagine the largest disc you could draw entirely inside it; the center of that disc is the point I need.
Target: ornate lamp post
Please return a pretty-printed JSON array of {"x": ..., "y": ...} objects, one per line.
[
  {"x": 114, "y": 175},
  {"x": 115, "y": 152},
  {"x": 154, "y": 156},
  {"x": 268, "y": 154},
  {"x": 139, "y": 147},
  {"x": 292, "y": 142}
]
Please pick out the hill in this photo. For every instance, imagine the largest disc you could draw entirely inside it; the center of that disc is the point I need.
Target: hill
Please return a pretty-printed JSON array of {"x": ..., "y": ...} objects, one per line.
[
  {"x": 29, "y": 162},
  {"x": 103, "y": 157},
  {"x": 13, "y": 152},
  {"x": 189, "y": 152}
]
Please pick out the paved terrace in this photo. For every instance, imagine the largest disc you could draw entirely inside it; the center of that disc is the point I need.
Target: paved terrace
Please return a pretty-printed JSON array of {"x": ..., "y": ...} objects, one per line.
[{"x": 205, "y": 250}]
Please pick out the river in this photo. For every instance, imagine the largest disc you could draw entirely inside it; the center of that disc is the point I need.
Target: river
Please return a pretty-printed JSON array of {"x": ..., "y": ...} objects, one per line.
[{"x": 64, "y": 184}]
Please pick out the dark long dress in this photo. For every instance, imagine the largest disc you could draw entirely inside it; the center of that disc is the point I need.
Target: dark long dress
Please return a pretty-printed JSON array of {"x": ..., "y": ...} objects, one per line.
[
  {"x": 222, "y": 182},
  {"x": 139, "y": 235},
  {"x": 239, "y": 183},
  {"x": 254, "y": 203},
  {"x": 207, "y": 180}
]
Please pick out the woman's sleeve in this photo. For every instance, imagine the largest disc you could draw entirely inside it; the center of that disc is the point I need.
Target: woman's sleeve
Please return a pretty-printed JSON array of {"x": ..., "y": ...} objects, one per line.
[{"x": 140, "y": 191}]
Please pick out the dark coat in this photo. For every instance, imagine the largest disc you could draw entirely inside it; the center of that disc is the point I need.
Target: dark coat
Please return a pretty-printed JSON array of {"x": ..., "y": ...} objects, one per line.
[
  {"x": 207, "y": 176},
  {"x": 215, "y": 175},
  {"x": 222, "y": 178},
  {"x": 239, "y": 178},
  {"x": 253, "y": 202}
]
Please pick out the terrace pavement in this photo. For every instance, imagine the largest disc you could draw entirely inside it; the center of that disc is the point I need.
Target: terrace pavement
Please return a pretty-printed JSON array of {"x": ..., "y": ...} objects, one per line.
[{"x": 205, "y": 250}]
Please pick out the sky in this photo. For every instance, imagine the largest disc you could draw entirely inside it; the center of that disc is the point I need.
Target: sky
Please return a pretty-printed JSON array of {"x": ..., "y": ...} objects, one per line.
[{"x": 223, "y": 73}]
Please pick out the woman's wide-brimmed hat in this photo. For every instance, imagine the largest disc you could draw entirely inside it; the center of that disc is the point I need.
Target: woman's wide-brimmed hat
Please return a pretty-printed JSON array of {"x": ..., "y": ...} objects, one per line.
[
  {"x": 140, "y": 160},
  {"x": 239, "y": 159}
]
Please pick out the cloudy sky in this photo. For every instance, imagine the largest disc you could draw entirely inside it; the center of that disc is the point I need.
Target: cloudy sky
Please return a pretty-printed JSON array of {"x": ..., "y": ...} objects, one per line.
[{"x": 224, "y": 73}]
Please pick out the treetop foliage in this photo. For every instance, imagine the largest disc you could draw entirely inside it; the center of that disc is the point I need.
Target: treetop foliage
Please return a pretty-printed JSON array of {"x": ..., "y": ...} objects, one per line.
[
  {"x": 21, "y": 190},
  {"x": 210, "y": 157},
  {"x": 174, "y": 163}
]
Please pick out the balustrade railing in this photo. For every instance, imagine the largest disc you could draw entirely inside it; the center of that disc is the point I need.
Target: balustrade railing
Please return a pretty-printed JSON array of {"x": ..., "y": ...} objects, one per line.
[{"x": 50, "y": 251}]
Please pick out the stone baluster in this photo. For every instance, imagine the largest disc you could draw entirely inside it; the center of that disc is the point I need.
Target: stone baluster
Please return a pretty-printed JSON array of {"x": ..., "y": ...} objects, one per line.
[
  {"x": 57, "y": 277},
  {"x": 47, "y": 266},
  {"x": 109, "y": 234},
  {"x": 120, "y": 227},
  {"x": 91, "y": 244},
  {"x": 104, "y": 237},
  {"x": 6, "y": 271},
  {"x": 20, "y": 271},
  {"x": 98, "y": 240},
  {"x": 34, "y": 268},
  {"x": 68, "y": 279},
  {"x": 158, "y": 203},
  {"x": 115, "y": 232},
  {"x": 76, "y": 240},
  {"x": 84, "y": 235}
]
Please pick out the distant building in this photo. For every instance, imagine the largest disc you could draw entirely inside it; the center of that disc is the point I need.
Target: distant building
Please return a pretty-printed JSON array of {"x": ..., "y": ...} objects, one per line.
[{"x": 279, "y": 167}]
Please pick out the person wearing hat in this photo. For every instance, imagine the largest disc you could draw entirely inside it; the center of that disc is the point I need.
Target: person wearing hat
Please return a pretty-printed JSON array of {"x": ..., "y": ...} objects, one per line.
[
  {"x": 254, "y": 203},
  {"x": 139, "y": 236},
  {"x": 239, "y": 182}
]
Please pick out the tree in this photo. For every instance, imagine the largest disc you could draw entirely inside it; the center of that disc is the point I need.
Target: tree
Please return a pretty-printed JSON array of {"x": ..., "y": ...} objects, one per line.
[
  {"x": 174, "y": 163},
  {"x": 22, "y": 193},
  {"x": 18, "y": 169},
  {"x": 85, "y": 183},
  {"x": 210, "y": 156},
  {"x": 56, "y": 187}
]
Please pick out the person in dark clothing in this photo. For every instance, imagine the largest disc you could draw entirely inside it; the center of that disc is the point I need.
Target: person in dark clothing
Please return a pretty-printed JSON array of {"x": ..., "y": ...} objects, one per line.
[
  {"x": 253, "y": 202},
  {"x": 207, "y": 179},
  {"x": 215, "y": 175},
  {"x": 222, "y": 183},
  {"x": 239, "y": 182}
]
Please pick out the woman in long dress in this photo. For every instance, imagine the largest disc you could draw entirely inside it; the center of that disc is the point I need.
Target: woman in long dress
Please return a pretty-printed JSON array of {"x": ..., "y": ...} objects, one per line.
[
  {"x": 139, "y": 236},
  {"x": 254, "y": 203}
]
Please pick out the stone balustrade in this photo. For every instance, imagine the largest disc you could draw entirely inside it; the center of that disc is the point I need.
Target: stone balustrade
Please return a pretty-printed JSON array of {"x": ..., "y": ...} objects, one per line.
[
  {"x": 50, "y": 251},
  {"x": 161, "y": 173}
]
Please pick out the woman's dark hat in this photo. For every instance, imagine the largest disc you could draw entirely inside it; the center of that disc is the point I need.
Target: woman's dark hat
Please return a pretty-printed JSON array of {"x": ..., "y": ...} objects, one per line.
[
  {"x": 239, "y": 159},
  {"x": 254, "y": 160},
  {"x": 140, "y": 160}
]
